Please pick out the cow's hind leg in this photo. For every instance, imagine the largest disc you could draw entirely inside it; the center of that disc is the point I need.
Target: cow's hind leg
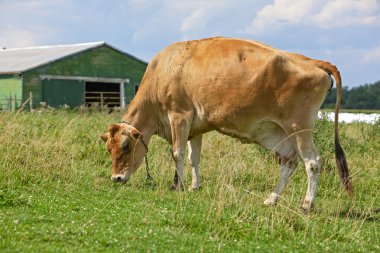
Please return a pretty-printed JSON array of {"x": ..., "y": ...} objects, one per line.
[
  {"x": 194, "y": 156},
  {"x": 288, "y": 166},
  {"x": 303, "y": 142},
  {"x": 312, "y": 161},
  {"x": 277, "y": 141}
]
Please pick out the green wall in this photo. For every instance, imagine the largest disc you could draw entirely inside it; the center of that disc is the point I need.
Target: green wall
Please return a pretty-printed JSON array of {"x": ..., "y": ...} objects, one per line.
[
  {"x": 10, "y": 85},
  {"x": 103, "y": 62},
  {"x": 63, "y": 92}
]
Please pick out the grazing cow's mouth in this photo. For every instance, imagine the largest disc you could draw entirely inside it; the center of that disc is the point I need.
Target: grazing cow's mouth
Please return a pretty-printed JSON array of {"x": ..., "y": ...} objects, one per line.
[{"x": 120, "y": 178}]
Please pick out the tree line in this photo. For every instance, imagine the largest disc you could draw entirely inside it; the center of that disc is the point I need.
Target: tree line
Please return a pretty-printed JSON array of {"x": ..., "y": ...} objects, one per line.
[{"x": 362, "y": 97}]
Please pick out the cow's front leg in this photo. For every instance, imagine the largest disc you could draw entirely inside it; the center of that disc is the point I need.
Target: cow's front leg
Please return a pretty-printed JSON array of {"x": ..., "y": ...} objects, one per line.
[
  {"x": 194, "y": 155},
  {"x": 180, "y": 133},
  {"x": 178, "y": 156}
]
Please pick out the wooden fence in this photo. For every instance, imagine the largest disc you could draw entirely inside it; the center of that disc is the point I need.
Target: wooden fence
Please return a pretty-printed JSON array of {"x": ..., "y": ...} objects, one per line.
[
  {"x": 15, "y": 104},
  {"x": 103, "y": 99},
  {"x": 94, "y": 100}
]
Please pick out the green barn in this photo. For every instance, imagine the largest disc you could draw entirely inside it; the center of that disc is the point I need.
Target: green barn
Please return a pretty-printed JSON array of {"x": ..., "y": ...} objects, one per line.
[{"x": 73, "y": 75}]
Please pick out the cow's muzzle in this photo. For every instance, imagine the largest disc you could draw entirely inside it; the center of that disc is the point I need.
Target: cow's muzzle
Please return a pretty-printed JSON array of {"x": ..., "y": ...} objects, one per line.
[{"x": 120, "y": 178}]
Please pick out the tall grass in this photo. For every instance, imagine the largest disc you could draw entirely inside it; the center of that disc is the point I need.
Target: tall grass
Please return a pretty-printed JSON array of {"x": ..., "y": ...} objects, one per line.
[{"x": 56, "y": 194}]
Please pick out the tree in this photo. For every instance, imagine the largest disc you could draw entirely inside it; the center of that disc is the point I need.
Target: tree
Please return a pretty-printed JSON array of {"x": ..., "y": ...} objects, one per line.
[
  {"x": 363, "y": 97},
  {"x": 330, "y": 100}
]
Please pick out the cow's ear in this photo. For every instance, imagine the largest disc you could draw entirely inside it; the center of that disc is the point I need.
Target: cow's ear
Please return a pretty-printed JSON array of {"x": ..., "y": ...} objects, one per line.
[
  {"x": 113, "y": 129},
  {"x": 105, "y": 136},
  {"x": 135, "y": 134}
]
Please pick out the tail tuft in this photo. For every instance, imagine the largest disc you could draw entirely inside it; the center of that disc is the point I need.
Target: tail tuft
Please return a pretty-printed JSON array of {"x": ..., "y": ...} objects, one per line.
[{"x": 341, "y": 162}]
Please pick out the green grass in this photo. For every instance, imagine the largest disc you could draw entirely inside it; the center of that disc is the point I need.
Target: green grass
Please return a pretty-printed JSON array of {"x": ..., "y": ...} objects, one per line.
[{"x": 56, "y": 194}]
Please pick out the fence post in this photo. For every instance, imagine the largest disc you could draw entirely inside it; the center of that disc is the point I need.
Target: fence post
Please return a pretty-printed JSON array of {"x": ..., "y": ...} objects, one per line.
[
  {"x": 31, "y": 100},
  {"x": 101, "y": 101},
  {"x": 9, "y": 104},
  {"x": 15, "y": 103},
  {"x": 122, "y": 100}
]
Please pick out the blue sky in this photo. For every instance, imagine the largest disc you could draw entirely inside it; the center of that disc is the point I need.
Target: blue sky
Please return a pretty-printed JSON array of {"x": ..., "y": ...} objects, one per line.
[{"x": 344, "y": 32}]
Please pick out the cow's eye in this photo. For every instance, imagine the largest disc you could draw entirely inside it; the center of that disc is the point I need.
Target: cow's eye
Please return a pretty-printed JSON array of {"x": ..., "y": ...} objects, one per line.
[{"x": 125, "y": 148}]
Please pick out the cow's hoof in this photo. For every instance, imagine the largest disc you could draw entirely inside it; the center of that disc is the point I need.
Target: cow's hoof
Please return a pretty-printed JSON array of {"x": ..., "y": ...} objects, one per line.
[
  {"x": 194, "y": 188},
  {"x": 307, "y": 207},
  {"x": 175, "y": 187},
  {"x": 271, "y": 200}
]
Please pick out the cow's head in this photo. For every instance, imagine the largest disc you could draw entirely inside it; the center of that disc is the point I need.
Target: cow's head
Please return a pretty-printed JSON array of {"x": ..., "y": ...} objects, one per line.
[{"x": 125, "y": 144}]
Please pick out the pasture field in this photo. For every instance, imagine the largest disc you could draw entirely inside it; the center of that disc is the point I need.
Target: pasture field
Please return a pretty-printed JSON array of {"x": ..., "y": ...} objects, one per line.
[{"x": 56, "y": 194}]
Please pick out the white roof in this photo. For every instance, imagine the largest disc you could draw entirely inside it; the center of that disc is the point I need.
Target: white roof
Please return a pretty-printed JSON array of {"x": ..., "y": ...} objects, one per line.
[{"x": 19, "y": 60}]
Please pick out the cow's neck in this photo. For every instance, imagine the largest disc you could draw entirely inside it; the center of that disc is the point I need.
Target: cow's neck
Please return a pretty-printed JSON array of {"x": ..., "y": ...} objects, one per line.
[{"x": 140, "y": 116}]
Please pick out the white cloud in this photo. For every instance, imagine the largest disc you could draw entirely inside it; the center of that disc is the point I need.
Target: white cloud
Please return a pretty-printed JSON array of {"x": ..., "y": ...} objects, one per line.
[
  {"x": 27, "y": 23},
  {"x": 138, "y": 2},
  {"x": 281, "y": 12},
  {"x": 205, "y": 18},
  {"x": 11, "y": 37},
  {"x": 318, "y": 13},
  {"x": 195, "y": 21},
  {"x": 344, "y": 13},
  {"x": 185, "y": 19},
  {"x": 22, "y": 8}
]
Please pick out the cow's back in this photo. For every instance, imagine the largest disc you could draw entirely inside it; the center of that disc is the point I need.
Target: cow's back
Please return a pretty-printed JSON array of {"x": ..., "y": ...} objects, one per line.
[{"x": 230, "y": 82}]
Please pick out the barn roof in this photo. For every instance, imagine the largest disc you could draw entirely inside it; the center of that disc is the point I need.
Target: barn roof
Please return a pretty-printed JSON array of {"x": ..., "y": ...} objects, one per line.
[{"x": 18, "y": 60}]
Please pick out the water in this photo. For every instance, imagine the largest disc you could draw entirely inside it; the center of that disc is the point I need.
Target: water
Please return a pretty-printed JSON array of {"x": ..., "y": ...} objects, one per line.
[{"x": 352, "y": 117}]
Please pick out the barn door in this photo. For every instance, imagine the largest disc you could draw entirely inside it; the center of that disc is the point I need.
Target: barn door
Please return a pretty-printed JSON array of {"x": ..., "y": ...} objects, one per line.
[
  {"x": 57, "y": 93},
  {"x": 103, "y": 94}
]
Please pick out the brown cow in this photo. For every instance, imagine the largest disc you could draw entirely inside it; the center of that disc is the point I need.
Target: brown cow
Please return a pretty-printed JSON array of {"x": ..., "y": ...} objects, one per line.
[{"x": 241, "y": 88}]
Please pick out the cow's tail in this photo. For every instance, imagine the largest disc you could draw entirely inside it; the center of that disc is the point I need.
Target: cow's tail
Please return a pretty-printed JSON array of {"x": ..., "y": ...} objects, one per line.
[{"x": 339, "y": 153}]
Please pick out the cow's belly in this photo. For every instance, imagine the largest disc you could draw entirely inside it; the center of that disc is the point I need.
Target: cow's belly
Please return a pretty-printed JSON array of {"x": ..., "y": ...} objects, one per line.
[
  {"x": 259, "y": 128},
  {"x": 264, "y": 132}
]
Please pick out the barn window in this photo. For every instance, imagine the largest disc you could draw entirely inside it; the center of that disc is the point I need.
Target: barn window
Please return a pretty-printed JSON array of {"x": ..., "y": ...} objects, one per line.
[{"x": 102, "y": 93}]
